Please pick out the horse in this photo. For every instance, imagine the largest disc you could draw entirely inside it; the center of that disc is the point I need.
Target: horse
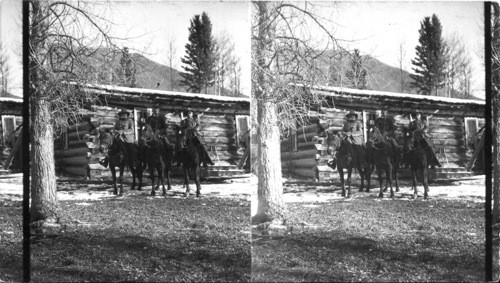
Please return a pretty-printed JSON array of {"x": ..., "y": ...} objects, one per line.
[
  {"x": 157, "y": 153},
  {"x": 386, "y": 159},
  {"x": 340, "y": 148},
  {"x": 188, "y": 153},
  {"x": 113, "y": 147},
  {"x": 415, "y": 155}
]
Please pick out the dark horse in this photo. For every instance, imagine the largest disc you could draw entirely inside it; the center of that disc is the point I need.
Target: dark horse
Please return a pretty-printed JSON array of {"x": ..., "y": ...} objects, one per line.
[
  {"x": 157, "y": 153},
  {"x": 386, "y": 159},
  {"x": 188, "y": 153},
  {"x": 415, "y": 155},
  {"x": 113, "y": 147},
  {"x": 344, "y": 156}
]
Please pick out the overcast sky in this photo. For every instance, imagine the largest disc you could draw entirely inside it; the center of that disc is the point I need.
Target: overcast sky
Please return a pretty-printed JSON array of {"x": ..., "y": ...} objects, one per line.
[
  {"x": 151, "y": 25},
  {"x": 378, "y": 28},
  {"x": 11, "y": 40}
]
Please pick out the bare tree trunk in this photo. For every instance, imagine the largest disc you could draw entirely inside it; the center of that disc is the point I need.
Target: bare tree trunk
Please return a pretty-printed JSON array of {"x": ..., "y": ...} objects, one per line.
[
  {"x": 44, "y": 202},
  {"x": 270, "y": 188}
]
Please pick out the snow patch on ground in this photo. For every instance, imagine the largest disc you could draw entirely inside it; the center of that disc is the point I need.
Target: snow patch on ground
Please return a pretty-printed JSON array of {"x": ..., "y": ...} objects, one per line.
[
  {"x": 231, "y": 188},
  {"x": 310, "y": 194}
]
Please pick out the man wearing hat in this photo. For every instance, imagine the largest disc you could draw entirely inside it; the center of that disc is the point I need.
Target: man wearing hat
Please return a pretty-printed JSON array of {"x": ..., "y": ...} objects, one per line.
[
  {"x": 354, "y": 133},
  {"x": 386, "y": 125},
  {"x": 418, "y": 125},
  {"x": 157, "y": 122},
  {"x": 124, "y": 127},
  {"x": 191, "y": 124}
]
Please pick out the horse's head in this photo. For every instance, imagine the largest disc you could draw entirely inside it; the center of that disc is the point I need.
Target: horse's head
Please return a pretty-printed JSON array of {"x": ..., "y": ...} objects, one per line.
[
  {"x": 375, "y": 136},
  {"x": 148, "y": 133},
  {"x": 408, "y": 139},
  {"x": 106, "y": 139},
  {"x": 333, "y": 142},
  {"x": 181, "y": 135}
]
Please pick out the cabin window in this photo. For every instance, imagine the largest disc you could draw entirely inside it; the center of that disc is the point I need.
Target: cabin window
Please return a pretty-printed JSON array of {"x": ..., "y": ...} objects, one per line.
[
  {"x": 8, "y": 125},
  {"x": 242, "y": 126},
  {"x": 471, "y": 128}
]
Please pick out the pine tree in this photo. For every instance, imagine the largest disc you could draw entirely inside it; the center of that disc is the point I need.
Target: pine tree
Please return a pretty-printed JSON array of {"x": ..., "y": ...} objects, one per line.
[
  {"x": 199, "y": 58},
  {"x": 430, "y": 62},
  {"x": 357, "y": 74},
  {"x": 128, "y": 69}
]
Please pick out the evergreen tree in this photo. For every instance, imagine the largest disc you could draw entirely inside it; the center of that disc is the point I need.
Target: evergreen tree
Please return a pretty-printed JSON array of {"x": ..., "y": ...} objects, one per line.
[
  {"x": 128, "y": 69},
  {"x": 430, "y": 62},
  {"x": 199, "y": 58},
  {"x": 357, "y": 74}
]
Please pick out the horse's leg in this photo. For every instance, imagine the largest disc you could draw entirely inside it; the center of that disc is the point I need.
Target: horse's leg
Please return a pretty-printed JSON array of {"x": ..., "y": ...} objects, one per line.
[
  {"x": 388, "y": 173},
  {"x": 342, "y": 182},
  {"x": 139, "y": 171},
  {"x": 122, "y": 167},
  {"x": 368, "y": 175},
  {"x": 113, "y": 174},
  {"x": 395, "y": 171},
  {"x": 361, "y": 173},
  {"x": 414, "y": 175},
  {"x": 197, "y": 174},
  {"x": 133, "y": 171},
  {"x": 167, "y": 173},
  {"x": 186, "y": 179},
  {"x": 152, "y": 177},
  {"x": 380, "y": 181},
  {"x": 161, "y": 169},
  {"x": 349, "y": 172},
  {"x": 425, "y": 176}
]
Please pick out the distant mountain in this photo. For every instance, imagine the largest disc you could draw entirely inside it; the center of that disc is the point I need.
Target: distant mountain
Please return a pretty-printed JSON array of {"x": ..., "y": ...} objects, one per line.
[
  {"x": 150, "y": 74},
  {"x": 380, "y": 76},
  {"x": 153, "y": 75}
]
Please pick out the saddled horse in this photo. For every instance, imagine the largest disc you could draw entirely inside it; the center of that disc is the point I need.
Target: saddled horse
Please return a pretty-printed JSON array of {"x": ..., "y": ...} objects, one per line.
[
  {"x": 113, "y": 147},
  {"x": 188, "y": 153},
  {"x": 415, "y": 154},
  {"x": 157, "y": 153},
  {"x": 386, "y": 159},
  {"x": 344, "y": 156}
]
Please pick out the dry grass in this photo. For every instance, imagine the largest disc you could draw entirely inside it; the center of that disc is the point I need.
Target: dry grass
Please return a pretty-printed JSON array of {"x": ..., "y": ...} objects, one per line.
[
  {"x": 366, "y": 239},
  {"x": 139, "y": 238}
]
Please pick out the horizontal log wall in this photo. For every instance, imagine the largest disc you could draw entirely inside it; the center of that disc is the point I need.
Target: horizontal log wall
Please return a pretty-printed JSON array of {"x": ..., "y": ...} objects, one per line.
[
  {"x": 302, "y": 160},
  {"x": 82, "y": 156},
  {"x": 74, "y": 159},
  {"x": 447, "y": 134}
]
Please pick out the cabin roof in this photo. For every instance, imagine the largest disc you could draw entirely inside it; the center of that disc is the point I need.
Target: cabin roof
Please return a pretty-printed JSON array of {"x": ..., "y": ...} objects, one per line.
[
  {"x": 339, "y": 91},
  {"x": 9, "y": 99},
  {"x": 120, "y": 91}
]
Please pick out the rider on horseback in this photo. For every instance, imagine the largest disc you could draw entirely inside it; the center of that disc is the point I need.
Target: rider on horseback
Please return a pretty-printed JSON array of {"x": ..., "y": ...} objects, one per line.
[
  {"x": 386, "y": 126},
  {"x": 191, "y": 124},
  {"x": 124, "y": 127},
  {"x": 419, "y": 127},
  {"x": 354, "y": 135}
]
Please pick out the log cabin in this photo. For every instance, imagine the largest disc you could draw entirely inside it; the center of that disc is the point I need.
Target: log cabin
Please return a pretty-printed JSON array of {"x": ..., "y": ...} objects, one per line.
[
  {"x": 76, "y": 146},
  {"x": 452, "y": 125},
  {"x": 10, "y": 120}
]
